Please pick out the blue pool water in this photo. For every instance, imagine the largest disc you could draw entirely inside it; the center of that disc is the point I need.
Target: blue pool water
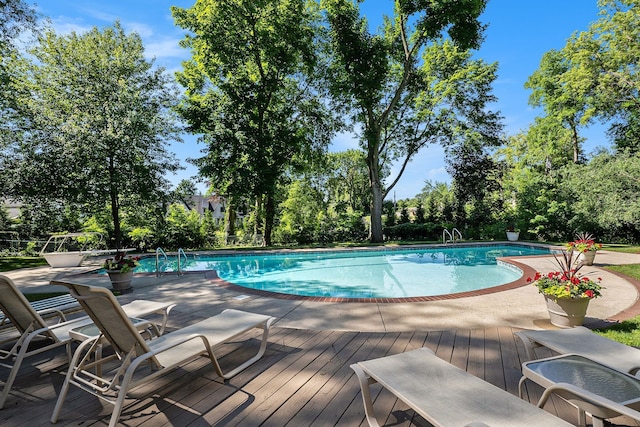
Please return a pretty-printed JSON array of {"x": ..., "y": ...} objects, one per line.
[{"x": 394, "y": 273}]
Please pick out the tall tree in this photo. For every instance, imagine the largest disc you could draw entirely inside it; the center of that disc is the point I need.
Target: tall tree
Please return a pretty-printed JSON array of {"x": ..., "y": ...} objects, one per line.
[
  {"x": 552, "y": 89},
  {"x": 15, "y": 16},
  {"x": 408, "y": 87},
  {"x": 100, "y": 119},
  {"x": 596, "y": 75},
  {"x": 248, "y": 94},
  {"x": 347, "y": 179}
]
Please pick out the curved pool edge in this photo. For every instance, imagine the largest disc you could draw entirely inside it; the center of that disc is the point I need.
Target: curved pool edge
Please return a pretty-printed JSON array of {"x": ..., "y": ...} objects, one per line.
[{"x": 527, "y": 272}]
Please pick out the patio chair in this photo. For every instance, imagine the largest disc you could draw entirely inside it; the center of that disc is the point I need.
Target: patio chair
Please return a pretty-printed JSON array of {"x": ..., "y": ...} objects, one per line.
[
  {"x": 136, "y": 361},
  {"x": 33, "y": 335},
  {"x": 580, "y": 340},
  {"x": 445, "y": 395}
]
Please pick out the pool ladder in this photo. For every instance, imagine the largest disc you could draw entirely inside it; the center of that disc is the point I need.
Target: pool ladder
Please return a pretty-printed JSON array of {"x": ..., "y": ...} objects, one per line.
[
  {"x": 451, "y": 235},
  {"x": 160, "y": 251},
  {"x": 166, "y": 259},
  {"x": 181, "y": 251}
]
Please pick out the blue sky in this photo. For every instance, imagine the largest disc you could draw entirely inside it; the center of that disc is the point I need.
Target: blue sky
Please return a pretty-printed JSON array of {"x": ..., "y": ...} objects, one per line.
[{"x": 519, "y": 33}]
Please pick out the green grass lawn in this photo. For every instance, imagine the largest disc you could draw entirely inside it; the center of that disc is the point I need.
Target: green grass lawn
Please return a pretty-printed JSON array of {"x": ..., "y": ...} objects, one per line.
[
  {"x": 627, "y": 332},
  {"x": 16, "y": 262}
]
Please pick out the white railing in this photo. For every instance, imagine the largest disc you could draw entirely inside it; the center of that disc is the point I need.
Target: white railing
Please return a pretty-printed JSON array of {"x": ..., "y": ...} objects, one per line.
[
  {"x": 181, "y": 251},
  {"x": 166, "y": 258},
  {"x": 452, "y": 235}
]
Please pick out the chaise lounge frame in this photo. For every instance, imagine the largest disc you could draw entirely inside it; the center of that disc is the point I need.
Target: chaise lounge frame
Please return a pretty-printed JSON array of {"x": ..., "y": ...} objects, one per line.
[{"x": 132, "y": 352}]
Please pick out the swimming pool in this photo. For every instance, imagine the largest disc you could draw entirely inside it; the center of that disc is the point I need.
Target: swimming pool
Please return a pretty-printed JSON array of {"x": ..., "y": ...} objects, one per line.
[{"x": 396, "y": 273}]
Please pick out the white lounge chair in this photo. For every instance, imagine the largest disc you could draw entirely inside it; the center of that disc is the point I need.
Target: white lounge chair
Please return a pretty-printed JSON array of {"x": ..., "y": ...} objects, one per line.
[
  {"x": 583, "y": 341},
  {"x": 32, "y": 329},
  {"x": 146, "y": 359},
  {"x": 444, "y": 394}
]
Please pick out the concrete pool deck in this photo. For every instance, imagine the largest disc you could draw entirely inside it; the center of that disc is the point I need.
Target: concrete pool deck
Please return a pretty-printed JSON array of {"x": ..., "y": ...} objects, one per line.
[{"x": 520, "y": 307}]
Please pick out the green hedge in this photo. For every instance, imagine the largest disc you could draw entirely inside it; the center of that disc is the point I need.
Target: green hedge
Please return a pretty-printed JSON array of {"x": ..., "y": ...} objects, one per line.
[{"x": 412, "y": 231}]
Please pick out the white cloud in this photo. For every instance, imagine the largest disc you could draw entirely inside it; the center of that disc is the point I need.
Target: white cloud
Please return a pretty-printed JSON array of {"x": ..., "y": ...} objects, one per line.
[
  {"x": 165, "y": 48},
  {"x": 66, "y": 25}
]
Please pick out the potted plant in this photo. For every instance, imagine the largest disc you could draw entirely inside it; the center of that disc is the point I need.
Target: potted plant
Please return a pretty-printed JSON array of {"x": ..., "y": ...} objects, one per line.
[
  {"x": 566, "y": 292},
  {"x": 120, "y": 270},
  {"x": 513, "y": 234},
  {"x": 586, "y": 247}
]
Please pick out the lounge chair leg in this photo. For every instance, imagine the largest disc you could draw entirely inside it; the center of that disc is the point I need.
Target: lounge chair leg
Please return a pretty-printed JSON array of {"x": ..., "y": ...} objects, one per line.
[
  {"x": 520, "y": 384},
  {"x": 254, "y": 359},
  {"x": 67, "y": 380},
  {"x": 13, "y": 374},
  {"x": 364, "y": 381},
  {"x": 118, "y": 404}
]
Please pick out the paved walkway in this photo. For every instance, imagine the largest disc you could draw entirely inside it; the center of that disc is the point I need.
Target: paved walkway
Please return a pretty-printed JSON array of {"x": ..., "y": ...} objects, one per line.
[{"x": 521, "y": 307}]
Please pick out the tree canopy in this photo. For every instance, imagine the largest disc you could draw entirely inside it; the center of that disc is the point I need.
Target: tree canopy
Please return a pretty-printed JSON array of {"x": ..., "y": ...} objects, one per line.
[
  {"x": 99, "y": 118},
  {"x": 249, "y": 95},
  {"x": 407, "y": 86}
]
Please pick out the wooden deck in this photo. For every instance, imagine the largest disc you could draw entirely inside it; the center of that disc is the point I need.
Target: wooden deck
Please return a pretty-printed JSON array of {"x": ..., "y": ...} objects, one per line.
[{"x": 304, "y": 379}]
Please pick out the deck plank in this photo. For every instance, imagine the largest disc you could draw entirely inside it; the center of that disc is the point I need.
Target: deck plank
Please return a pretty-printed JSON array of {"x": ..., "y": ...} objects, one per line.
[{"x": 303, "y": 379}]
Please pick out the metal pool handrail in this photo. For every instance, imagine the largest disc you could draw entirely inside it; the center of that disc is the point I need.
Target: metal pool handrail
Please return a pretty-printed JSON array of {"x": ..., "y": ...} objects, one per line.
[
  {"x": 166, "y": 258},
  {"x": 181, "y": 251}
]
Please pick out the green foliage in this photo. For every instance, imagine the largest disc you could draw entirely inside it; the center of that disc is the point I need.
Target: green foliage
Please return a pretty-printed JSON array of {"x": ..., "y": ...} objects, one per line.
[
  {"x": 208, "y": 230},
  {"x": 248, "y": 94},
  {"x": 182, "y": 228},
  {"x": 405, "y": 86},
  {"x": 95, "y": 90},
  {"x": 404, "y": 216},
  {"x": 419, "y": 215},
  {"x": 16, "y": 16},
  {"x": 409, "y": 231},
  {"x": 142, "y": 238}
]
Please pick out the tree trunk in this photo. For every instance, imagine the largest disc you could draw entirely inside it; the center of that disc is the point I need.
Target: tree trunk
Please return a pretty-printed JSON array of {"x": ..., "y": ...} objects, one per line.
[
  {"x": 115, "y": 208},
  {"x": 375, "y": 182},
  {"x": 375, "y": 233},
  {"x": 258, "y": 223},
  {"x": 269, "y": 215},
  {"x": 230, "y": 218},
  {"x": 115, "y": 215},
  {"x": 576, "y": 144}
]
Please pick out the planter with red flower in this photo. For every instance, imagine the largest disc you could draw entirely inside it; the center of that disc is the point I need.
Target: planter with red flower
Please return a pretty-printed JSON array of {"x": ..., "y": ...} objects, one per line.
[
  {"x": 120, "y": 271},
  {"x": 566, "y": 292},
  {"x": 586, "y": 247}
]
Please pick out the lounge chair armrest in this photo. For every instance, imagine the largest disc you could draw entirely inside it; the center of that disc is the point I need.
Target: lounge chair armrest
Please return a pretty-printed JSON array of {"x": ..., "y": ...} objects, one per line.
[
  {"x": 566, "y": 390},
  {"x": 57, "y": 313}
]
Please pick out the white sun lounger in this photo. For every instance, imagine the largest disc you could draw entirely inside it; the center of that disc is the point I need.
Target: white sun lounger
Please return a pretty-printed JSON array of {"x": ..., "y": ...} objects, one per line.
[
  {"x": 582, "y": 341},
  {"x": 31, "y": 328},
  {"x": 138, "y": 361},
  {"x": 445, "y": 395}
]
